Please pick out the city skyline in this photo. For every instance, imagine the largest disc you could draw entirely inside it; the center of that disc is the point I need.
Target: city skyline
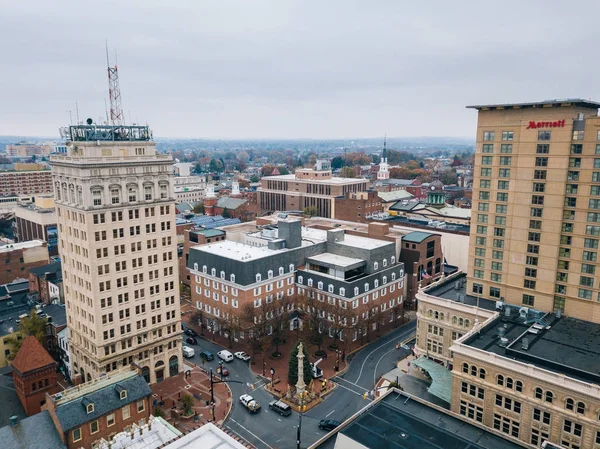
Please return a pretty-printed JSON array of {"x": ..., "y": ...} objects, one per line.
[{"x": 270, "y": 70}]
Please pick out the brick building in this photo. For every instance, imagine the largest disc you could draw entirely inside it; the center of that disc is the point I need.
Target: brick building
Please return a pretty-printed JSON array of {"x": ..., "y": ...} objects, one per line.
[
  {"x": 19, "y": 258},
  {"x": 34, "y": 374},
  {"x": 37, "y": 222},
  {"x": 412, "y": 186},
  {"x": 195, "y": 237},
  {"x": 26, "y": 150},
  {"x": 47, "y": 281},
  {"x": 99, "y": 409},
  {"x": 25, "y": 182},
  {"x": 423, "y": 260},
  {"x": 357, "y": 206},
  {"x": 355, "y": 281}
]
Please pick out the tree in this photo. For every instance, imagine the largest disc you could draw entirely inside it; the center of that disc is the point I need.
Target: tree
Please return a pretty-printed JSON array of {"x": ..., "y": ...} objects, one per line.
[
  {"x": 376, "y": 158},
  {"x": 187, "y": 403},
  {"x": 199, "y": 208},
  {"x": 255, "y": 320},
  {"x": 226, "y": 213},
  {"x": 337, "y": 162},
  {"x": 311, "y": 211},
  {"x": 314, "y": 320},
  {"x": 279, "y": 317},
  {"x": 449, "y": 177},
  {"x": 293, "y": 366},
  {"x": 230, "y": 325},
  {"x": 254, "y": 178},
  {"x": 283, "y": 171},
  {"x": 31, "y": 325},
  {"x": 216, "y": 165},
  {"x": 267, "y": 169},
  {"x": 348, "y": 172}
]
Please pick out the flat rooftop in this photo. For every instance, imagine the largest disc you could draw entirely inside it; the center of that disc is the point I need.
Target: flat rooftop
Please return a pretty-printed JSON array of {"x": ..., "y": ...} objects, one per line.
[
  {"x": 21, "y": 245},
  {"x": 455, "y": 290},
  {"x": 237, "y": 251},
  {"x": 557, "y": 343},
  {"x": 559, "y": 102},
  {"x": 363, "y": 242},
  {"x": 332, "y": 180},
  {"x": 399, "y": 421},
  {"x": 334, "y": 260}
]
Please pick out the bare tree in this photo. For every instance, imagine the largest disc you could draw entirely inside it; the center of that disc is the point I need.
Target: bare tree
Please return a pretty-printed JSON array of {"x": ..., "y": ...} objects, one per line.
[
  {"x": 230, "y": 324},
  {"x": 278, "y": 317},
  {"x": 254, "y": 321},
  {"x": 315, "y": 321}
]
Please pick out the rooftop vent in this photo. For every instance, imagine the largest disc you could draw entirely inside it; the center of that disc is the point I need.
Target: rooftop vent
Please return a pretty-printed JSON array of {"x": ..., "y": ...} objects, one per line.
[
  {"x": 525, "y": 344},
  {"x": 503, "y": 343},
  {"x": 14, "y": 420},
  {"x": 501, "y": 332}
]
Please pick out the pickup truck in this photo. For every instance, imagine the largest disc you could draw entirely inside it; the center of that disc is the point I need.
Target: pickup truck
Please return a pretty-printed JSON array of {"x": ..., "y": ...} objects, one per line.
[{"x": 249, "y": 402}]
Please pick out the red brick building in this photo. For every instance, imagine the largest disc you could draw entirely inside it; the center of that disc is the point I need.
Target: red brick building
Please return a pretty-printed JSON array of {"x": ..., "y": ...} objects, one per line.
[
  {"x": 357, "y": 206},
  {"x": 18, "y": 258},
  {"x": 34, "y": 374},
  {"x": 195, "y": 237}
]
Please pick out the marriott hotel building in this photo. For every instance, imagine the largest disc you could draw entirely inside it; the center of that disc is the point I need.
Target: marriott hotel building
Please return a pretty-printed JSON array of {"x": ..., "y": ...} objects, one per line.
[{"x": 536, "y": 207}]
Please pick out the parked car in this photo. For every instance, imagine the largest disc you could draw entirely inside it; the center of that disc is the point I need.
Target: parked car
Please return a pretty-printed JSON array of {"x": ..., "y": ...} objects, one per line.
[
  {"x": 223, "y": 371},
  {"x": 242, "y": 356},
  {"x": 280, "y": 407},
  {"x": 188, "y": 352},
  {"x": 191, "y": 341},
  {"x": 328, "y": 424},
  {"x": 249, "y": 402},
  {"x": 207, "y": 355},
  {"x": 225, "y": 355},
  {"x": 190, "y": 332}
]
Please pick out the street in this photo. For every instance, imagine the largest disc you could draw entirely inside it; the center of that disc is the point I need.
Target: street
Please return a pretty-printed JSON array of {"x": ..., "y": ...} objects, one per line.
[{"x": 267, "y": 429}]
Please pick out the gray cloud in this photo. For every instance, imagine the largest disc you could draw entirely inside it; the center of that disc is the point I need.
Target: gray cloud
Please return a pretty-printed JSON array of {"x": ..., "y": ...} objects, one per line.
[{"x": 279, "y": 68}]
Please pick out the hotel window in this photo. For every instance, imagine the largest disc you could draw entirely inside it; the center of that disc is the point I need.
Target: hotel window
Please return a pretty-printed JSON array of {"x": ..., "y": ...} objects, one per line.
[
  {"x": 576, "y": 148},
  {"x": 595, "y": 190},
  {"x": 501, "y": 208},
  {"x": 596, "y": 176},
  {"x": 505, "y": 160},
  {"x": 543, "y": 135},
  {"x": 506, "y": 425},
  {"x": 486, "y": 160},
  {"x": 504, "y": 172},
  {"x": 567, "y": 227},
  {"x": 482, "y": 218},
  {"x": 539, "y": 174},
  {"x": 572, "y": 428},
  {"x": 541, "y": 161},
  {"x": 539, "y": 187},
  {"x": 592, "y": 230},
  {"x": 528, "y": 300},
  {"x": 486, "y": 172},
  {"x": 574, "y": 162},
  {"x": 559, "y": 303},
  {"x": 578, "y": 135},
  {"x": 499, "y": 232},
  {"x": 487, "y": 148},
  {"x": 496, "y": 266},
  {"x": 498, "y": 255},
  {"x": 500, "y": 220},
  {"x": 485, "y": 183},
  {"x": 530, "y": 272},
  {"x": 498, "y": 243},
  {"x": 570, "y": 202},
  {"x": 543, "y": 148},
  {"x": 488, "y": 135},
  {"x": 479, "y": 263},
  {"x": 503, "y": 185},
  {"x": 480, "y": 252},
  {"x": 480, "y": 241},
  {"x": 537, "y": 200},
  {"x": 481, "y": 229},
  {"x": 507, "y": 135},
  {"x": 564, "y": 252},
  {"x": 535, "y": 224},
  {"x": 531, "y": 260},
  {"x": 566, "y": 240},
  {"x": 573, "y": 176},
  {"x": 471, "y": 411},
  {"x": 483, "y": 207},
  {"x": 590, "y": 243},
  {"x": 528, "y": 283},
  {"x": 541, "y": 416},
  {"x": 495, "y": 277},
  {"x": 501, "y": 196},
  {"x": 478, "y": 274},
  {"x": 588, "y": 269},
  {"x": 484, "y": 196},
  {"x": 506, "y": 148},
  {"x": 571, "y": 189},
  {"x": 478, "y": 289},
  {"x": 584, "y": 294},
  {"x": 534, "y": 236}
]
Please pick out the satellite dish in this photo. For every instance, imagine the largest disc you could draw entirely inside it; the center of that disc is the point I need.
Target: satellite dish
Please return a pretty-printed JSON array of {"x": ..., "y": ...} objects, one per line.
[{"x": 89, "y": 121}]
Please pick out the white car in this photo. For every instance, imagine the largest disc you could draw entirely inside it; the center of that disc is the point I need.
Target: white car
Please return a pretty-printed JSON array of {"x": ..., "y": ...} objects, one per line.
[
  {"x": 250, "y": 404},
  {"x": 242, "y": 356}
]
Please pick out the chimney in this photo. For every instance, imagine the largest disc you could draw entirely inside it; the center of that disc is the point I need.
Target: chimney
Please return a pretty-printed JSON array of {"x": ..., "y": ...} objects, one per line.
[{"x": 14, "y": 421}]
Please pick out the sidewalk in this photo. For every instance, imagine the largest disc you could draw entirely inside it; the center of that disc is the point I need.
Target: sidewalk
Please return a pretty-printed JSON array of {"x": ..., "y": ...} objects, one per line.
[{"x": 198, "y": 385}]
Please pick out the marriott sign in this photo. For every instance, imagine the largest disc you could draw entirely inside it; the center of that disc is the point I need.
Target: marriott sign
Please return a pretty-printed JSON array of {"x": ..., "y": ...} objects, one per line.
[{"x": 557, "y": 124}]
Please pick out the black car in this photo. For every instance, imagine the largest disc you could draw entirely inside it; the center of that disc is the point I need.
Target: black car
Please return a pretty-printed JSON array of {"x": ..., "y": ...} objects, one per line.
[
  {"x": 328, "y": 424},
  {"x": 190, "y": 332},
  {"x": 206, "y": 355},
  {"x": 191, "y": 341}
]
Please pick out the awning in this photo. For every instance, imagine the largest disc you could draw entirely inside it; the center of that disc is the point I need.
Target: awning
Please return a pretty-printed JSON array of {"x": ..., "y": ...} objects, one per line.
[{"x": 441, "y": 385}]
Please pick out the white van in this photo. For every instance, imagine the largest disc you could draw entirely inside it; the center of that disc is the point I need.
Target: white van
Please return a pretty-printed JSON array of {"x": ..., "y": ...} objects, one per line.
[
  {"x": 225, "y": 355},
  {"x": 188, "y": 352}
]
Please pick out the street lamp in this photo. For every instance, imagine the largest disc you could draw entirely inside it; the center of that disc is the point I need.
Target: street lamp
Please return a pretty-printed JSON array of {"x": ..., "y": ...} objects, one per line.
[
  {"x": 272, "y": 377},
  {"x": 264, "y": 367},
  {"x": 337, "y": 359}
]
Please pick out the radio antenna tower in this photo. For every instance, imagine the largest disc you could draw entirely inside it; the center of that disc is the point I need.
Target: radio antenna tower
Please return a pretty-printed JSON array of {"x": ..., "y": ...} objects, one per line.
[{"x": 114, "y": 93}]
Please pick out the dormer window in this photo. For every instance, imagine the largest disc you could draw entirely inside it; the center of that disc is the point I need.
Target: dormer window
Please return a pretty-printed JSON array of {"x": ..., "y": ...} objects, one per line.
[{"x": 123, "y": 394}]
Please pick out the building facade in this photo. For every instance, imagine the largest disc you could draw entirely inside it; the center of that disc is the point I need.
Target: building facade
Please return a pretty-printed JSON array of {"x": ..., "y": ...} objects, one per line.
[
  {"x": 37, "y": 222},
  {"x": 26, "y": 150},
  {"x": 19, "y": 258},
  {"x": 536, "y": 206},
  {"x": 15, "y": 183},
  {"x": 118, "y": 247},
  {"x": 307, "y": 189},
  {"x": 358, "y": 206}
]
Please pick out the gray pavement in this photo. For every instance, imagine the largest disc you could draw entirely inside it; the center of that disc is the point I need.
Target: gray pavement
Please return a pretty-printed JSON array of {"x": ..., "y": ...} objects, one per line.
[{"x": 269, "y": 430}]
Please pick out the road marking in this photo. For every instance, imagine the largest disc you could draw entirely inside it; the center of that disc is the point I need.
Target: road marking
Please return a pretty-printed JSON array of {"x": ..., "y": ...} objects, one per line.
[
  {"x": 352, "y": 383},
  {"x": 329, "y": 414},
  {"x": 233, "y": 420},
  {"x": 374, "y": 350},
  {"x": 349, "y": 389},
  {"x": 375, "y": 371}
]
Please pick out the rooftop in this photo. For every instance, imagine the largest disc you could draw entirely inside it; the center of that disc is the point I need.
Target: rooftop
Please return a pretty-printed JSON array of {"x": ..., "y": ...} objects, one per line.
[
  {"x": 363, "y": 242},
  {"x": 417, "y": 236},
  {"x": 207, "y": 436},
  {"x": 557, "y": 343},
  {"x": 333, "y": 180},
  {"x": 21, "y": 245},
  {"x": 230, "y": 203},
  {"x": 51, "y": 268},
  {"x": 454, "y": 289},
  {"x": 395, "y": 195},
  {"x": 400, "y": 421},
  {"x": 210, "y": 232},
  {"x": 336, "y": 261},
  {"x": 36, "y": 432},
  {"x": 237, "y": 251},
  {"x": 579, "y": 102},
  {"x": 32, "y": 356}
]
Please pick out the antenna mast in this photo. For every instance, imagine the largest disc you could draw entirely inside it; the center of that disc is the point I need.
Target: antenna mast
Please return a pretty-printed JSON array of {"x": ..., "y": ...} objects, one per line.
[{"x": 114, "y": 94}]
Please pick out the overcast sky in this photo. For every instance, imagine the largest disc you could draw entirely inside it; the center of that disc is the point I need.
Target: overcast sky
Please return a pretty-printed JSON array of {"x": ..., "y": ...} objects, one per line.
[{"x": 287, "y": 68}]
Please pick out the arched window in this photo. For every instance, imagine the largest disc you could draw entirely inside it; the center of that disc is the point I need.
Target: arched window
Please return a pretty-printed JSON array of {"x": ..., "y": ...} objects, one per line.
[
  {"x": 148, "y": 191},
  {"x": 115, "y": 194},
  {"x": 196, "y": 266},
  {"x": 429, "y": 313},
  {"x": 580, "y": 408},
  {"x": 132, "y": 192},
  {"x": 537, "y": 392},
  {"x": 270, "y": 274},
  {"x": 519, "y": 386},
  {"x": 461, "y": 322},
  {"x": 291, "y": 268},
  {"x": 320, "y": 285},
  {"x": 366, "y": 286},
  {"x": 310, "y": 282},
  {"x": 465, "y": 368},
  {"x": 330, "y": 288},
  {"x": 438, "y": 264},
  {"x": 454, "y": 320},
  {"x": 549, "y": 397},
  {"x": 393, "y": 260},
  {"x": 258, "y": 277},
  {"x": 222, "y": 274},
  {"x": 393, "y": 276},
  {"x": 376, "y": 283},
  {"x": 300, "y": 279},
  {"x": 384, "y": 280},
  {"x": 467, "y": 323},
  {"x": 509, "y": 383},
  {"x": 164, "y": 189},
  {"x": 375, "y": 266},
  {"x": 57, "y": 190},
  {"x": 213, "y": 271},
  {"x": 204, "y": 268},
  {"x": 481, "y": 373},
  {"x": 473, "y": 370},
  {"x": 342, "y": 291},
  {"x": 570, "y": 404},
  {"x": 436, "y": 315},
  {"x": 232, "y": 277},
  {"x": 500, "y": 380},
  {"x": 280, "y": 271},
  {"x": 384, "y": 263},
  {"x": 356, "y": 291},
  {"x": 442, "y": 316}
]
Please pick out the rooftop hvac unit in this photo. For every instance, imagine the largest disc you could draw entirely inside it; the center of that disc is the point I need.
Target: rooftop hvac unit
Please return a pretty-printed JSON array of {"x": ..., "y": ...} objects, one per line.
[
  {"x": 525, "y": 344},
  {"x": 523, "y": 312},
  {"x": 503, "y": 343}
]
